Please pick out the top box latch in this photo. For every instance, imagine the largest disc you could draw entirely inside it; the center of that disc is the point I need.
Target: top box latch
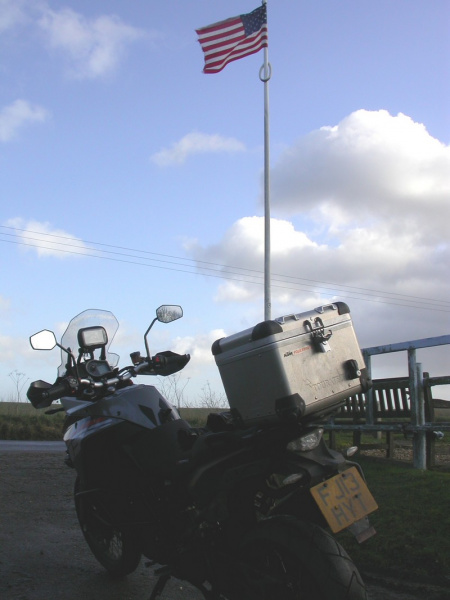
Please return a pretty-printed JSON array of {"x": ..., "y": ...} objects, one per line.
[{"x": 319, "y": 337}]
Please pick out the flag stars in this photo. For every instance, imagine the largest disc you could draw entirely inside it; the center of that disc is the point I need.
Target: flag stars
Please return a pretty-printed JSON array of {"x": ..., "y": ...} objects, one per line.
[{"x": 255, "y": 20}]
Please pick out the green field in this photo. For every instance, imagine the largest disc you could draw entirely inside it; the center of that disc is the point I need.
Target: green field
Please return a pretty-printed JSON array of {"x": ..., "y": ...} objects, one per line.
[{"x": 412, "y": 522}]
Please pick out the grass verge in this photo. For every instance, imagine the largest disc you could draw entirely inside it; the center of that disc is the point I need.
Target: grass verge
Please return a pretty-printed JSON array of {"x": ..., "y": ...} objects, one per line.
[
  {"x": 412, "y": 523},
  {"x": 20, "y": 421}
]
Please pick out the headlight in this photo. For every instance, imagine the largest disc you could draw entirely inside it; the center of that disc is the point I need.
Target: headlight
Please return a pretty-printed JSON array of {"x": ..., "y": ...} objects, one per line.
[{"x": 306, "y": 442}]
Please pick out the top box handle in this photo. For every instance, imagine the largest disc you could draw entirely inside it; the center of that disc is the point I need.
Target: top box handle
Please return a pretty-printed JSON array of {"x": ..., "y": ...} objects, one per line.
[{"x": 341, "y": 307}]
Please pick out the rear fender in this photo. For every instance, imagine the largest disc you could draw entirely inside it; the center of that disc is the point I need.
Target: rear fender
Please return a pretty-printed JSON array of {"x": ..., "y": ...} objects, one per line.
[
  {"x": 320, "y": 463},
  {"x": 280, "y": 485}
]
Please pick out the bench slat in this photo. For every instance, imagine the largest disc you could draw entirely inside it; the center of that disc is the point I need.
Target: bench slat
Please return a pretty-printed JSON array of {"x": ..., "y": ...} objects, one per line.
[{"x": 391, "y": 399}]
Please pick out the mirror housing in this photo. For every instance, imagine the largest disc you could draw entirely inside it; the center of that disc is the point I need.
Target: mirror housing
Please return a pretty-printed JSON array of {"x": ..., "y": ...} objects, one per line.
[
  {"x": 164, "y": 314},
  {"x": 168, "y": 313},
  {"x": 43, "y": 340}
]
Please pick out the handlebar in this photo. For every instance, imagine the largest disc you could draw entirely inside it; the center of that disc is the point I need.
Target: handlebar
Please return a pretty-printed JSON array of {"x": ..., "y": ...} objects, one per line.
[
  {"x": 163, "y": 363},
  {"x": 57, "y": 390},
  {"x": 41, "y": 394},
  {"x": 167, "y": 363}
]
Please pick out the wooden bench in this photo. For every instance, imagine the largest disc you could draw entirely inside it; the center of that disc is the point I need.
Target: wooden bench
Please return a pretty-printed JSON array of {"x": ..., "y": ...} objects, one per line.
[
  {"x": 391, "y": 401},
  {"x": 391, "y": 411}
]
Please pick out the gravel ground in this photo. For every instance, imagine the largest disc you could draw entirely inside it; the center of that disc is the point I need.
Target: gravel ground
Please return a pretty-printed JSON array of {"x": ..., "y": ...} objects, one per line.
[
  {"x": 403, "y": 452},
  {"x": 43, "y": 554}
]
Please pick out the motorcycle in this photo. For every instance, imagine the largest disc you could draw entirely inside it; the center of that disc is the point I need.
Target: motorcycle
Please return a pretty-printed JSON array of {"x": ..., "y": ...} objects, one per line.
[{"x": 242, "y": 513}]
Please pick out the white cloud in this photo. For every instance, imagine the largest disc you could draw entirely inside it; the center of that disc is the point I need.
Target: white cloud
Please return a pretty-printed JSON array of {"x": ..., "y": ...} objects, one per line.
[
  {"x": 246, "y": 238},
  {"x": 239, "y": 256},
  {"x": 94, "y": 46},
  {"x": 46, "y": 241},
  {"x": 370, "y": 201},
  {"x": 199, "y": 347},
  {"x": 201, "y": 369},
  {"x": 17, "y": 115},
  {"x": 11, "y": 14},
  {"x": 368, "y": 263},
  {"x": 195, "y": 143},
  {"x": 397, "y": 287},
  {"x": 370, "y": 166}
]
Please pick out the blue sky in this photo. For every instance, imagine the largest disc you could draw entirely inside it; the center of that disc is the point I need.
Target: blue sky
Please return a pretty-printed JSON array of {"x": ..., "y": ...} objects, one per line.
[{"x": 148, "y": 173}]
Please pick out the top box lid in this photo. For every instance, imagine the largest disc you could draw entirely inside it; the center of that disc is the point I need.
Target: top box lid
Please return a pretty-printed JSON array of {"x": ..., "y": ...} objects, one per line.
[{"x": 282, "y": 327}]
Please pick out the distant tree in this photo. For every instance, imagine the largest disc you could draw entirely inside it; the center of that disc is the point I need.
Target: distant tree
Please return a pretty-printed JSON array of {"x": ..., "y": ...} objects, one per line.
[
  {"x": 172, "y": 388},
  {"x": 211, "y": 399},
  {"x": 19, "y": 380}
]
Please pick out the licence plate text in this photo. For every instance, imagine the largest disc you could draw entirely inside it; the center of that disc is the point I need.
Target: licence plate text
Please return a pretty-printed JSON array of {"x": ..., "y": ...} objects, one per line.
[{"x": 344, "y": 499}]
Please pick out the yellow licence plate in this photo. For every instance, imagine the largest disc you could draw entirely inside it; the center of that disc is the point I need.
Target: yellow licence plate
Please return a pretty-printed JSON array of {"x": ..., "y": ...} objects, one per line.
[{"x": 344, "y": 499}]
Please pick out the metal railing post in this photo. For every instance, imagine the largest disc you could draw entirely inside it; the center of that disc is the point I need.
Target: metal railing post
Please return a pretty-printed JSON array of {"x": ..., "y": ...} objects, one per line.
[
  {"x": 369, "y": 407},
  {"x": 417, "y": 410}
]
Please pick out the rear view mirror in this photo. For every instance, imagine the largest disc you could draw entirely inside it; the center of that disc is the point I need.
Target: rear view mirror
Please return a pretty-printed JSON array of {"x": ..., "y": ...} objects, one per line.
[
  {"x": 43, "y": 340},
  {"x": 165, "y": 314},
  {"x": 168, "y": 313}
]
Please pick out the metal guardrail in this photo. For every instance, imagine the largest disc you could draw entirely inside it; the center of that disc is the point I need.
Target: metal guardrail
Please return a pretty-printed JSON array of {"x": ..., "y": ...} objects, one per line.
[{"x": 419, "y": 386}]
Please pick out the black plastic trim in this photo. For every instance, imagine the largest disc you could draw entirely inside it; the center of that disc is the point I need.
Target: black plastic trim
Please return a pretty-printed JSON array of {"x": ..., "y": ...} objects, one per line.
[
  {"x": 264, "y": 329},
  {"x": 342, "y": 307},
  {"x": 215, "y": 348},
  {"x": 290, "y": 408}
]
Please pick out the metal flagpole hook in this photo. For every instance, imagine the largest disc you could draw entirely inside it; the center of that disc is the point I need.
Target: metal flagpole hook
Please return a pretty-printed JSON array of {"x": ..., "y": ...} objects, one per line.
[{"x": 267, "y": 72}]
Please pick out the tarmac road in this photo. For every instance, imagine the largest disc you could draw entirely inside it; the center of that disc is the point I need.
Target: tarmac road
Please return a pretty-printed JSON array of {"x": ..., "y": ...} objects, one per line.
[
  {"x": 26, "y": 446},
  {"x": 43, "y": 554}
]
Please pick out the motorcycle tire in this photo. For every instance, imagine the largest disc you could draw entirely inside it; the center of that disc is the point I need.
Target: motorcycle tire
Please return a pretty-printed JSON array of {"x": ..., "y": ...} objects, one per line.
[
  {"x": 115, "y": 550},
  {"x": 288, "y": 559}
]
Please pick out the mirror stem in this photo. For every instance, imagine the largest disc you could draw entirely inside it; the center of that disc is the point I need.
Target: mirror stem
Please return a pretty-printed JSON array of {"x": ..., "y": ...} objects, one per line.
[{"x": 145, "y": 337}]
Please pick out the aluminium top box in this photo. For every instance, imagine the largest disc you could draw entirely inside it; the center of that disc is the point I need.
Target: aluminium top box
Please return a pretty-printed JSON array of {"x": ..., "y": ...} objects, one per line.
[{"x": 296, "y": 367}]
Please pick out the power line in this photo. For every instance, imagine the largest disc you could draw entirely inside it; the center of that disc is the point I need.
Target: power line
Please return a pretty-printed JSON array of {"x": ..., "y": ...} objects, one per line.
[
  {"x": 230, "y": 272},
  {"x": 410, "y": 299},
  {"x": 240, "y": 279},
  {"x": 217, "y": 266},
  {"x": 222, "y": 266}
]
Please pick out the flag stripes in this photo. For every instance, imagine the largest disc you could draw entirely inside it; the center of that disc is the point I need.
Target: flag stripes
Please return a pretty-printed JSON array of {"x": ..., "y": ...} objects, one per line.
[{"x": 233, "y": 38}]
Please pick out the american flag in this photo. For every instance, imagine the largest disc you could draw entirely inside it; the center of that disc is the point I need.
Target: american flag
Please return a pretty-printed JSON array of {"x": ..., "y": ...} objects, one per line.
[{"x": 233, "y": 38}]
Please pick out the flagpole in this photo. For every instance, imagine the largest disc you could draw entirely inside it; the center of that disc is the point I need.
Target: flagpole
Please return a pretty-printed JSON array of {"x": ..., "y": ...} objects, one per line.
[{"x": 264, "y": 75}]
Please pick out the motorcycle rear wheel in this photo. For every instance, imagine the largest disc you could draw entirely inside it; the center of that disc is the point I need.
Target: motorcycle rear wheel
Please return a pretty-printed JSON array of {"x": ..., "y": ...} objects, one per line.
[
  {"x": 115, "y": 550},
  {"x": 288, "y": 559}
]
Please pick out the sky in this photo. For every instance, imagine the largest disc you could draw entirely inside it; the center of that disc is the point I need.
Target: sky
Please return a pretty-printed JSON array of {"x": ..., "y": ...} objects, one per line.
[{"x": 130, "y": 179}]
